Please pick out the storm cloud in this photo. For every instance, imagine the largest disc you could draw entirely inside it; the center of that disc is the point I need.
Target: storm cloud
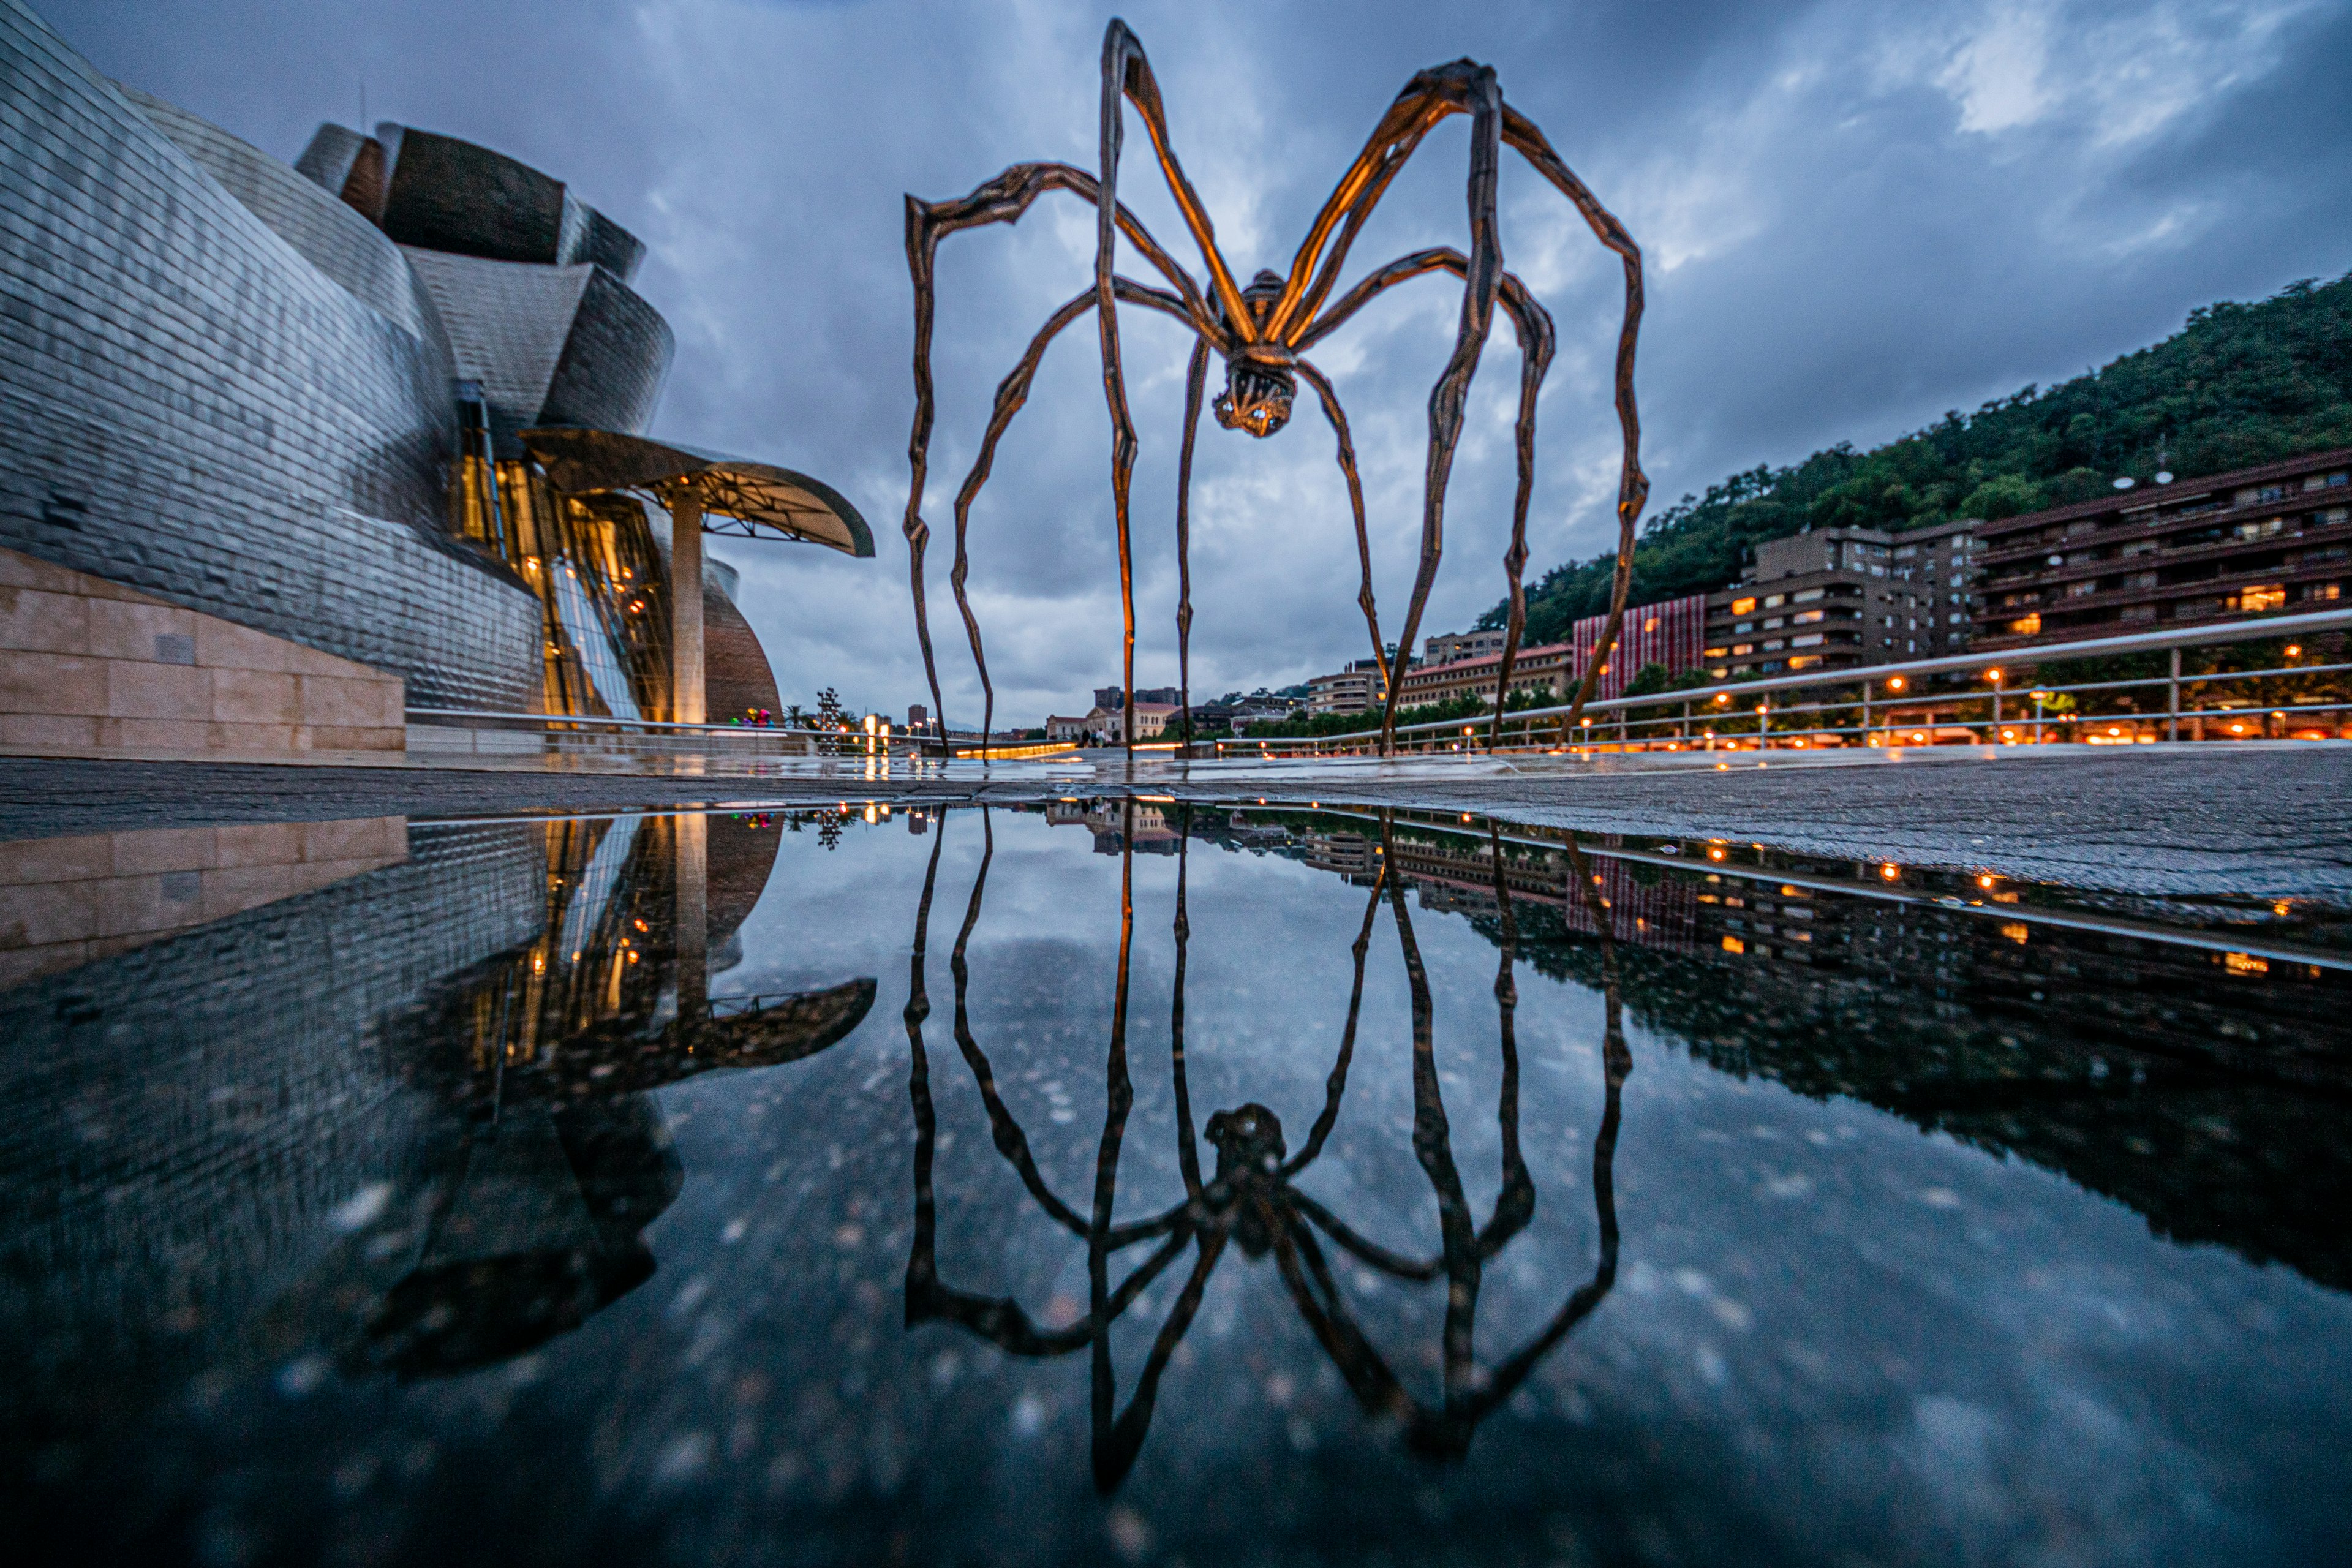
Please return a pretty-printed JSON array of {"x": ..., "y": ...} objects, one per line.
[{"x": 1856, "y": 216}]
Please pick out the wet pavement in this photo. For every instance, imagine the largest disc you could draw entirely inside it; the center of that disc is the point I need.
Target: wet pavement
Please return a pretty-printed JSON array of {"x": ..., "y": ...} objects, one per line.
[{"x": 1103, "y": 1179}]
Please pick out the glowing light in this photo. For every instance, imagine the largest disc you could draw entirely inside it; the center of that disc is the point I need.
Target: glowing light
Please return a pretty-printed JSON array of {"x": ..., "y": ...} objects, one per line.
[
  {"x": 1893, "y": 683},
  {"x": 2245, "y": 963},
  {"x": 1890, "y": 871},
  {"x": 1733, "y": 944},
  {"x": 1986, "y": 880},
  {"x": 1716, "y": 854}
]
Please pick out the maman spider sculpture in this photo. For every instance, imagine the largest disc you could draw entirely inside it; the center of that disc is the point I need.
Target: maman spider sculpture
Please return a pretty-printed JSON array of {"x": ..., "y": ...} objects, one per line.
[
  {"x": 1251, "y": 1202},
  {"x": 1262, "y": 331}
]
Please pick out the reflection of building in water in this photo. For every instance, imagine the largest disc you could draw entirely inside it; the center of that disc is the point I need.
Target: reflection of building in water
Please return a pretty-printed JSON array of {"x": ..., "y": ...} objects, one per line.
[
  {"x": 1115, "y": 823},
  {"x": 71, "y": 901},
  {"x": 1349, "y": 855},
  {"x": 184, "y": 1126},
  {"x": 2204, "y": 1089},
  {"x": 1455, "y": 874},
  {"x": 402, "y": 1122}
]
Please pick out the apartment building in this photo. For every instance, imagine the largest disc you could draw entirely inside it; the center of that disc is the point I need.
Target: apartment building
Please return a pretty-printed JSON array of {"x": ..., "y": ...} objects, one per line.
[
  {"x": 1352, "y": 688},
  {"x": 1841, "y": 597},
  {"x": 2276, "y": 538},
  {"x": 1548, "y": 669},
  {"x": 1450, "y": 648}
]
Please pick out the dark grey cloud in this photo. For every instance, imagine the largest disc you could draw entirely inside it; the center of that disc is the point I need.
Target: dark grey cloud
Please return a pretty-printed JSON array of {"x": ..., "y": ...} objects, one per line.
[{"x": 1857, "y": 215}]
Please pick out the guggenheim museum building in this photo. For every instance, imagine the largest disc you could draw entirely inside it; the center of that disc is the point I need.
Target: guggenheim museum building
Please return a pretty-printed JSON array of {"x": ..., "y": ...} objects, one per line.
[{"x": 296, "y": 454}]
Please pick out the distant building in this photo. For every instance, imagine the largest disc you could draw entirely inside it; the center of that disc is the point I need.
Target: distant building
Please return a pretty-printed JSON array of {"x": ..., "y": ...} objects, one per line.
[
  {"x": 1059, "y": 728},
  {"x": 1542, "y": 669},
  {"x": 1670, "y": 632},
  {"x": 1446, "y": 648},
  {"x": 917, "y": 716},
  {"x": 1352, "y": 688},
  {"x": 2273, "y": 539},
  {"x": 1837, "y": 598}
]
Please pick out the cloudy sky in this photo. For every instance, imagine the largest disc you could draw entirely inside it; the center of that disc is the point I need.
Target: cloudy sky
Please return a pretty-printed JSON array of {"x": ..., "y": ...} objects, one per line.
[{"x": 1856, "y": 216}]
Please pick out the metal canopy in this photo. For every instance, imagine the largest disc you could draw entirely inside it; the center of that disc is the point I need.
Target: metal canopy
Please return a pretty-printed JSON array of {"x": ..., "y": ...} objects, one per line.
[{"x": 746, "y": 500}]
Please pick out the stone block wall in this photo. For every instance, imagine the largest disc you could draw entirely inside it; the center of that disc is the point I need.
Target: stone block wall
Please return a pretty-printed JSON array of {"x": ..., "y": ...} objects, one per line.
[
  {"x": 89, "y": 665},
  {"x": 190, "y": 408}
]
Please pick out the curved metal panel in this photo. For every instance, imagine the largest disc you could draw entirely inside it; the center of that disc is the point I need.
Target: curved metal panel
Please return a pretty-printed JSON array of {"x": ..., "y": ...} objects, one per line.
[
  {"x": 615, "y": 360},
  {"x": 192, "y": 409},
  {"x": 327, "y": 234},
  {"x": 758, "y": 496}
]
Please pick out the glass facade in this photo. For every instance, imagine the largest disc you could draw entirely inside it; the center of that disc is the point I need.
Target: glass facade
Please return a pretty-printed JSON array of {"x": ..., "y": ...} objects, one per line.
[{"x": 603, "y": 589}]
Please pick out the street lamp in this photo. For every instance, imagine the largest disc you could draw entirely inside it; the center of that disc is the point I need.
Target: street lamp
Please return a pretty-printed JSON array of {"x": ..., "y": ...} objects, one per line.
[{"x": 1993, "y": 675}]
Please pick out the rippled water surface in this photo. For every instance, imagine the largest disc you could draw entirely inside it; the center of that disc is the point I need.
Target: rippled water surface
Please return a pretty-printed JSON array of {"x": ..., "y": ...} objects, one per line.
[{"x": 1129, "y": 1182}]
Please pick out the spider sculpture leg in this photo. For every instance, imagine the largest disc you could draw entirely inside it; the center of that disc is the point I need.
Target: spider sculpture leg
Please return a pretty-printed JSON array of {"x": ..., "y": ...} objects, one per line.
[
  {"x": 1126, "y": 77},
  {"x": 1433, "y": 1146},
  {"x": 1196, "y": 375},
  {"x": 1461, "y": 87},
  {"x": 1449, "y": 396},
  {"x": 1338, "y": 418},
  {"x": 1188, "y": 1150},
  {"x": 1003, "y": 199},
  {"x": 1012, "y": 395},
  {"x": 1536, "y": 339}
]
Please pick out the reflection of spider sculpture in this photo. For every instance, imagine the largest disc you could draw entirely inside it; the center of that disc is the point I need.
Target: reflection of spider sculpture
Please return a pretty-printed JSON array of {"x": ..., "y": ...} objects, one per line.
[
  {"x": 1264, "y": 330},
  {"x": 1250, "y": 1201}
]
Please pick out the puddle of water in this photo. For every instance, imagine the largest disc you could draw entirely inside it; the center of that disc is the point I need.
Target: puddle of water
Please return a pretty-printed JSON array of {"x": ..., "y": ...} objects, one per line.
[{"x": 1126, "y": 1182}]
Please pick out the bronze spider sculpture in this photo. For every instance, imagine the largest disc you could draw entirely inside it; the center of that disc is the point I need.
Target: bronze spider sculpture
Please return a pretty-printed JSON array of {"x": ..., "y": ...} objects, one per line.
[
  {"x": 1262, "y": 331},
  {"x": 1250, "y": 1200}
]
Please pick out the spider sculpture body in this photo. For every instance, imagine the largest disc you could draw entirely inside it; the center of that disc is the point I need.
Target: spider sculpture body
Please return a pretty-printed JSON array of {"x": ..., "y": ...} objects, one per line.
[{"x": 1263, "y": 331}]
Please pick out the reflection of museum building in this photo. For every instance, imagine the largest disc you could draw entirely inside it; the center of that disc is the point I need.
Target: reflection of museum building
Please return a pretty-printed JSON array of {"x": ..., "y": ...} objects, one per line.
[{"x": 292, "y": 447}]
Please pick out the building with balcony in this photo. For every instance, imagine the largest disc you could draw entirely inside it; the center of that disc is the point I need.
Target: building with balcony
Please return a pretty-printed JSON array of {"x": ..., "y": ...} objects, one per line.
[
  {"x": 1838, "y": 598},
  {"x": 1354, "y": 688},
  {"x": 2265, "y": 539}
]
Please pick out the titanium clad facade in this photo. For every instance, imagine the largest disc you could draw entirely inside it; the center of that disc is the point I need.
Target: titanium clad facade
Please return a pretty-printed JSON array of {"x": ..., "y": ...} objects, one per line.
[{"x": 250, "y": 421}]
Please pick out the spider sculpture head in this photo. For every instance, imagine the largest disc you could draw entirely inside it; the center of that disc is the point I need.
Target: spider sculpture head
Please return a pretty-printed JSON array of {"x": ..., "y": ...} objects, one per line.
[
  {"x": 1256, "y": 397},
  {"x": 1259, "y": 381},
  {"x": 1249, "y": 1144}
]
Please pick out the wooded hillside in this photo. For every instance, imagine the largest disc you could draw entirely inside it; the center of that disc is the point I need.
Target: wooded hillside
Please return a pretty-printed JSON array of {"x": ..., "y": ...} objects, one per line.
[{"x": 2240, "y": 384}]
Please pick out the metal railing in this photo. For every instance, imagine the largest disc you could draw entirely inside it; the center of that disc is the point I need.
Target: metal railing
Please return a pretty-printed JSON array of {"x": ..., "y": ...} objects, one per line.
[
  {"x": 1729, "y": 715},
  {"x": 470, "y": 731}
]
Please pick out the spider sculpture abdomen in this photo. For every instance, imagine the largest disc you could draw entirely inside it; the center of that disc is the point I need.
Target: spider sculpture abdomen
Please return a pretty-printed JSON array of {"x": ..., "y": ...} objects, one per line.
[{"x": 1262, "y": 331}]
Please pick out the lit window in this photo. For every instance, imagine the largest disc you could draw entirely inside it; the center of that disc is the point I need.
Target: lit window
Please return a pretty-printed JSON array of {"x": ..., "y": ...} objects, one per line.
[
  {"x": 2267, "y": 596},
  {"x": 2026, "y": 625},
  {"x": 1742, "y": 606}
]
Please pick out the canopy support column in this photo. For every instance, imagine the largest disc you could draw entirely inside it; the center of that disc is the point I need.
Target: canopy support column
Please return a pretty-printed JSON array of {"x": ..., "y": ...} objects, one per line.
[{"x": 686, "y": 604}]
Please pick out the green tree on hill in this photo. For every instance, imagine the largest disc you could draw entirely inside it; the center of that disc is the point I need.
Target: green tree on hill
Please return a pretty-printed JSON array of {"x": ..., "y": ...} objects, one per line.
[{"x": 2239, "y": 384}]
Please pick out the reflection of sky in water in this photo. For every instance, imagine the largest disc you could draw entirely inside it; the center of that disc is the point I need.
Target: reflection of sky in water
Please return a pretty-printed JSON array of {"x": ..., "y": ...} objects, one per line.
[{"x": 1831, "y": 1337}]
